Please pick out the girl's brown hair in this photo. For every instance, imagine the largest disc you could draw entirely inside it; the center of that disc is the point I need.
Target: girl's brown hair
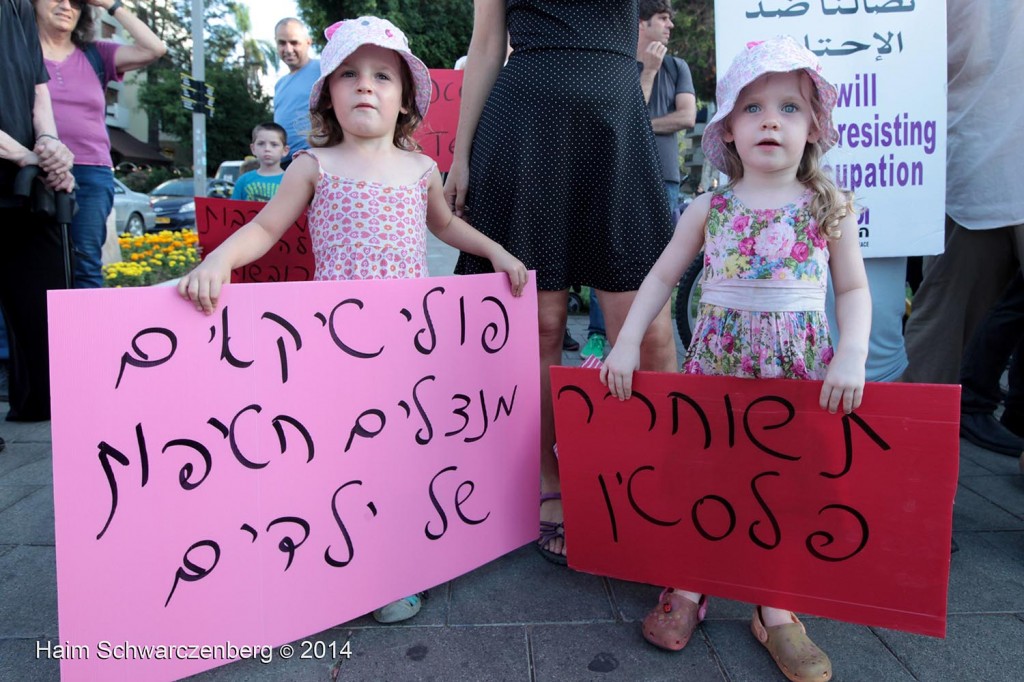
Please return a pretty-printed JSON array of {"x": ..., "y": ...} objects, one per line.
[
  {"x": 830, "y": 203},
  {"x": 326, "y": 131}
]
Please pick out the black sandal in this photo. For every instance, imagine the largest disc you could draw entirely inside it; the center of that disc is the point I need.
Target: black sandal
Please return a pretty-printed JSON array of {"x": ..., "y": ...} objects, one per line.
[{"x": 549, "y": 530}]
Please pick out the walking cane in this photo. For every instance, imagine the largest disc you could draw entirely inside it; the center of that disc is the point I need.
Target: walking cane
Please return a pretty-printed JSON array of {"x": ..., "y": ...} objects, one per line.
[{"x": 58, "y": 205}]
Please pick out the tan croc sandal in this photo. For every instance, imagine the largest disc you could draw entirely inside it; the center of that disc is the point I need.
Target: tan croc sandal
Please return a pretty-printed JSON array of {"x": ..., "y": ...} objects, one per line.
[
  {"x": 799, "y": 659},
  {"x": 673, "y": 621}
]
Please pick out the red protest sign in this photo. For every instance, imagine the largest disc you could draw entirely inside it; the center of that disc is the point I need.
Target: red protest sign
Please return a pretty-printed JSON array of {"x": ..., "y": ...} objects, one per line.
[
  {"x": 746, "y": 489},
  {"x": 291, "y": 259},
  {"x": 436, "y": 135}
]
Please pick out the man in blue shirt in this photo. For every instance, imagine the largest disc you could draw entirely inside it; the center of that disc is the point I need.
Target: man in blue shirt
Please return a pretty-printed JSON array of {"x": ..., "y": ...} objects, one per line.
[{"x": 291, "y": 93}]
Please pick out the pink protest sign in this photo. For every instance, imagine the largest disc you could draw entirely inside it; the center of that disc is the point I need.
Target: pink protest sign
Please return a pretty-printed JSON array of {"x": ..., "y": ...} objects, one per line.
[{"x": 311, "y": 451}]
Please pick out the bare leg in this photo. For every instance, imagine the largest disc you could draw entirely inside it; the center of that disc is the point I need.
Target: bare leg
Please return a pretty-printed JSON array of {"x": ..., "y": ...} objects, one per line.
[
  {"x": 552, "y": 310},
  {"x": 658, "y": 349},
  {"x": 772, "y": 616}
]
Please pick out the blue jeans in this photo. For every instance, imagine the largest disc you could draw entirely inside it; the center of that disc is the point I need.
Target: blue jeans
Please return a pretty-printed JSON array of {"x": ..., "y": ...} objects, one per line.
[
  {"x": 887, "y": 280},
  {"x": 672, "y": 192},
  {"x": 95, "y": 197},
  {"x": 5, "y": 350},
  {"x": 596, "y": 316}
]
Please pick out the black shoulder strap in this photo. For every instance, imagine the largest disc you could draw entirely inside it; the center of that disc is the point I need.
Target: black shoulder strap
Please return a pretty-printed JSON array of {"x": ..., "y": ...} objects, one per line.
[
  {"x": 92, "y": 53},
  {"x": 673, "y": 69}
]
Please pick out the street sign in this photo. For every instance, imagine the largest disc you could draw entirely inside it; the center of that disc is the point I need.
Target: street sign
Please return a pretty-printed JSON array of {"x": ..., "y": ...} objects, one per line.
[
  {"x": 197, "y": 107},
  {"x": 196, "y": 96},
  {"x": 191, "y": 83}
]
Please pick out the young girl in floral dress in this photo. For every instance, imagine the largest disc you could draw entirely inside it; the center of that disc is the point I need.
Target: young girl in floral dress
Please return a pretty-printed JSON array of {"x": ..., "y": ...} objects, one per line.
[
  {"x": 768, "y": 238},
  {"x": 371, "y": 197}
]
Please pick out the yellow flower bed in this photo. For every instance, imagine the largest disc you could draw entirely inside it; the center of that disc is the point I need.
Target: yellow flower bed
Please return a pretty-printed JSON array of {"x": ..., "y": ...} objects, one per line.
[{"x": 152, "y": 258}]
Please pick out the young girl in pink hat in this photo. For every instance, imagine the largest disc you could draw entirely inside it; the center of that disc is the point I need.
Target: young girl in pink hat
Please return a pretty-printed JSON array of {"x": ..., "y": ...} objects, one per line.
[
  {"x": 768, "y": 238},
  {"x": 371, "y": 195}
]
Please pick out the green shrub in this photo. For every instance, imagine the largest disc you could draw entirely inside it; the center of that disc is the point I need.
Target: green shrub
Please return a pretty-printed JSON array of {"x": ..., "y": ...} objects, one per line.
[{"x": 144, "y": 181}]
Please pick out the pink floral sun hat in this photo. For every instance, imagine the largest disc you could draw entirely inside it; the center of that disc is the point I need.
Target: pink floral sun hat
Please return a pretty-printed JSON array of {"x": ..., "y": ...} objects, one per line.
[
  {"x": 345, "y": 37},
  {"x": 777, "y": 55}
]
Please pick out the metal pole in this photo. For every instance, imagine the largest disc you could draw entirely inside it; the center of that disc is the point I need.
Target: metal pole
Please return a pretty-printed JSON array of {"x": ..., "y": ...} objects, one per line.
[{"x": 198, "y": 120}]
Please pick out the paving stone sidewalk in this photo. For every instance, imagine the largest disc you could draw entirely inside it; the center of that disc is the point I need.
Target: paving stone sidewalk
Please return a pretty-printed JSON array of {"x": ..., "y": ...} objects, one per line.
[{"x": 522, "y": 619}]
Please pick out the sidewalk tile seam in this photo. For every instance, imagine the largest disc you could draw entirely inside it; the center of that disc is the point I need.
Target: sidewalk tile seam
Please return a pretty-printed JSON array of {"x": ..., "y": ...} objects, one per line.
[
  {"x": 463, "y": 626},
  {"x": 892, "y": 652},
  {"x": 988, "y": 498},
  {"x": 22, "y": 637},
  {"x": 47, "y": 545},
  {"x": 449, "y": 593},
  {"x": 531, "y": 664},
  {"x": 609, "y": 593},
  {"x": 989, "y": 462},
  {"x": 30, "y": 488},
  {"x": 715, "y": 656}
]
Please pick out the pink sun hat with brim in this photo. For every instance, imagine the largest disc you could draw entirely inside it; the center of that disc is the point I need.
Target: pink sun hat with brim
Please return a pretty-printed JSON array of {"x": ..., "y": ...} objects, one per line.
[
  {"x": 345, "y": 37},
  {"x": 777, "y": 55}
]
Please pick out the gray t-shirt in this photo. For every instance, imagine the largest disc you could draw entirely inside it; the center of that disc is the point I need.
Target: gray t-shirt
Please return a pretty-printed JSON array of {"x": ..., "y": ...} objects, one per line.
[{"x": 673, "y": 78}]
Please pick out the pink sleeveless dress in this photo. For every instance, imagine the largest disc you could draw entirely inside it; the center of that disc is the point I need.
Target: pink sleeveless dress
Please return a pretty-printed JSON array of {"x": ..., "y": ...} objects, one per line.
[
  {"x": 366, "y": 230},
  {"x": 762, "y": 308}
]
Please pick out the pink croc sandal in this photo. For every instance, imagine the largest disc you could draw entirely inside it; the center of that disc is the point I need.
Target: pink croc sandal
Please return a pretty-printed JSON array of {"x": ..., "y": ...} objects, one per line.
[{"x": 673, "y": 621}]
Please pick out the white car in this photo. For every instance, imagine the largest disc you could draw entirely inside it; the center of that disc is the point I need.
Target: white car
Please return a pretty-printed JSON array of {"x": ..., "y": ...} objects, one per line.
[
  {"x": 229, "y": 170},
  {"x": 132, "y": 212}
]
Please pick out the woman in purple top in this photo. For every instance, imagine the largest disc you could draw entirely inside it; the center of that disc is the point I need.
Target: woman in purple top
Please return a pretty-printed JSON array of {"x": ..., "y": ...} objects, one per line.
[{"x": 80, "y": 108}]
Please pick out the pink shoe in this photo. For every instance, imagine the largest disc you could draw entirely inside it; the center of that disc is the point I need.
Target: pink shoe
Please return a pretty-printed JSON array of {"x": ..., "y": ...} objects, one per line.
[{"x": 672, "y": 622}]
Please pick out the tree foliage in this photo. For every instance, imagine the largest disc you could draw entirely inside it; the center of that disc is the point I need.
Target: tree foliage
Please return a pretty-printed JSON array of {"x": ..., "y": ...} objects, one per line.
[
  {"x": 693, "y": 40},
  {"x": 238, "y": 110},
  {"x": 233, "y": 62},
  {"x": 438, "y": 30}
]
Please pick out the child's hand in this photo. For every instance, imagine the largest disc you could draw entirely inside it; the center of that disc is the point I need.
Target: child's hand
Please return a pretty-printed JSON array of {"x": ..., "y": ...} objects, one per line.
[
  {"x": 518, "y": 275},
  {"x": 203, "y": 285},
  {"x": 844, "y": 384},
  {"x": 617, "y": 372}
]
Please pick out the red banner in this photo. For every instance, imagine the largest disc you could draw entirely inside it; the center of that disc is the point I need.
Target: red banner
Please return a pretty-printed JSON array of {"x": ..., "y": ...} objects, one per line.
[
  {"x": 746, "y": 489},
  {"x": 291, "y": 260},
  {"x": 436, "y": 135}
]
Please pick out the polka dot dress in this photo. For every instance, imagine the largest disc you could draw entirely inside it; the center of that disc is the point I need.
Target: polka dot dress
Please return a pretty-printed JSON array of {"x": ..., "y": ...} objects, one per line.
[{"x": 564, "y": 172}]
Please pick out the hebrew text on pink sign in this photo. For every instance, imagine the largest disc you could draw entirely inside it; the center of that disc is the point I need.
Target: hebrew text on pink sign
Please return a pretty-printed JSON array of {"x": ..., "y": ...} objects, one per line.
[{"x": 308, "y": 453}]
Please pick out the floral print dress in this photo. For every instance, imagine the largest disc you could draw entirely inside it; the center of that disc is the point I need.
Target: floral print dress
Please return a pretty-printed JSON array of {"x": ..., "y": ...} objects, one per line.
[
  {"x": 366, "y": 230},
  {"x": 762, "y": 310}
]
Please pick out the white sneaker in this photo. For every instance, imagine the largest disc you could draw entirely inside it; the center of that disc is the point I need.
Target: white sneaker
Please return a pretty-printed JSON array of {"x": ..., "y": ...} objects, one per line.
[{"x": 396, "y": 611}]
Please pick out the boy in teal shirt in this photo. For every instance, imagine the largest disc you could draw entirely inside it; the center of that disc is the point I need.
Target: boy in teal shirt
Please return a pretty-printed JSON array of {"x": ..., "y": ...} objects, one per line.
[{"x": 269, "y": 146}]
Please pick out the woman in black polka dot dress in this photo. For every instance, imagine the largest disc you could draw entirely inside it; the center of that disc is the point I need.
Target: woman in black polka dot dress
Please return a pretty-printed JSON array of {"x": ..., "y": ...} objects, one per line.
[{"x": 555, "y": 160}]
